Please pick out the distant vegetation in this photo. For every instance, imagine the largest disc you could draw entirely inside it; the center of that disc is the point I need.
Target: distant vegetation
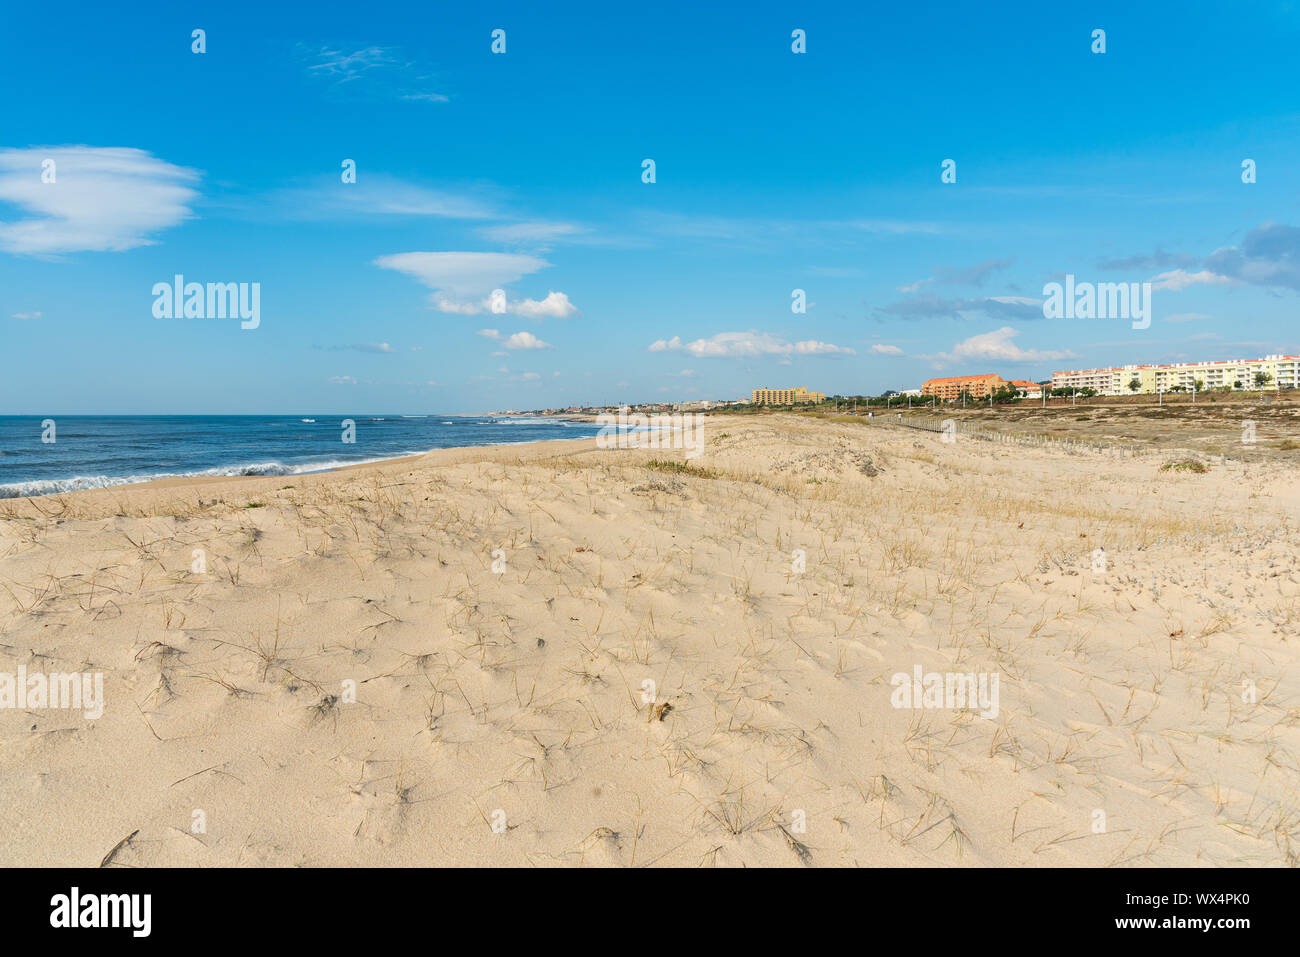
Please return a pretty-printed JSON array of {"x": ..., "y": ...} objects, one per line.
[{"x": 1186, "y": 465}]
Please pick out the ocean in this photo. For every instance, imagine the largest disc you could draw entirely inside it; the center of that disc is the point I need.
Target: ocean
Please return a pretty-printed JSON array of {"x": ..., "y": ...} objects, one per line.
[{"x": 93, "y": 451}]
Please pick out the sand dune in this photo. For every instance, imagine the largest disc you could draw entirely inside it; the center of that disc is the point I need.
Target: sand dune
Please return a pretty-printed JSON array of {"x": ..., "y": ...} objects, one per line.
[{"x": 504, "y": 712}]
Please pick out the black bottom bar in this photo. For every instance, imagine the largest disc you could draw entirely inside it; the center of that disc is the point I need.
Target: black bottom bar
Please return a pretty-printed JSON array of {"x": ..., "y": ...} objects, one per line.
[{"x": 334, "y": 907}]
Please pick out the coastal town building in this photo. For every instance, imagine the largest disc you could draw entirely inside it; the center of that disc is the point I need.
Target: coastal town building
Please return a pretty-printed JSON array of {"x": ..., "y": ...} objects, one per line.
[
  {"x": 976, "y": 386},
  {"x": 785, "y": 396},
  {"x": 1280, "y": 372},
  {"x": 703, "y": 405}
]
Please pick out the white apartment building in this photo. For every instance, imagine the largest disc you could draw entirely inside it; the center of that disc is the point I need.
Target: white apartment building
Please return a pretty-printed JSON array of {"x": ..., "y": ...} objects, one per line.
[{"x": 1236, "y": 374}]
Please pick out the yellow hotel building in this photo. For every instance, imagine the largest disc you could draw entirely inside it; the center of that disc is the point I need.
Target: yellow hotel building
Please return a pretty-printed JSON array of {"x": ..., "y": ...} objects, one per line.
[{"x": 786, "y": 396}]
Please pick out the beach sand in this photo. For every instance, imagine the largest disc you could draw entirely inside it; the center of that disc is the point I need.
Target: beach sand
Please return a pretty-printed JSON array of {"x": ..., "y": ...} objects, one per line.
[{"x": 646, "y": 672}]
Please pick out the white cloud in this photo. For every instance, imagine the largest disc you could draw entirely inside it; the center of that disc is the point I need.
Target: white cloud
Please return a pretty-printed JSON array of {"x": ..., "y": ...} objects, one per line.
[
  {"x": 884, "y": 350},
  {"x": 346, "y": 65},
  {"x": 747, "y": 344},
  {"x": 995, "y": 346},
  {"x": 463, "y": 282},
  {"x": 526, "y": 340},
  {"x": 460, "y": 275},
  {"x": 444, "y": 304},
  {"x": 812, "y": 347},
  {"x": 343, "y": 380},
  {"x": 1177, "y": 279},
  {"x": 556, "y": 305},
  {"x": 27, "y": 315},
  {"x": 103, "y": 199},
  {"x": 376, "y": 194},
  {"x": 520, "y": 340},
  {"x": 536, "y": 232},
  {"x": 376, "y": 71}
]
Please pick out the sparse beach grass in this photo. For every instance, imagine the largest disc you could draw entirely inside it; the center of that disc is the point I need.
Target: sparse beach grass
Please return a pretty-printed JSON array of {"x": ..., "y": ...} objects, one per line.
[{"x": 538, "y": 656}]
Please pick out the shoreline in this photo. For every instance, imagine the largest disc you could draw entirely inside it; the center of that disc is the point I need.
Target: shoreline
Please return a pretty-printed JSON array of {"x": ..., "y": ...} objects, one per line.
[
  {"x": 451, "y": 455},
  {"x": 179, "y": 479}
]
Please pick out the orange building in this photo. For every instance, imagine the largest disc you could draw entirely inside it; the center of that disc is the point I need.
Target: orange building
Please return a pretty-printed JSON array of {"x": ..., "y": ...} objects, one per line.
[{"x": 976, "y": 386}]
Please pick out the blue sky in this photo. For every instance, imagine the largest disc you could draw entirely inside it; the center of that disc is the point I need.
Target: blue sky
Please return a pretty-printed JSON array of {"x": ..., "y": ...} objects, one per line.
[{"x": 522, "y": 171}]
